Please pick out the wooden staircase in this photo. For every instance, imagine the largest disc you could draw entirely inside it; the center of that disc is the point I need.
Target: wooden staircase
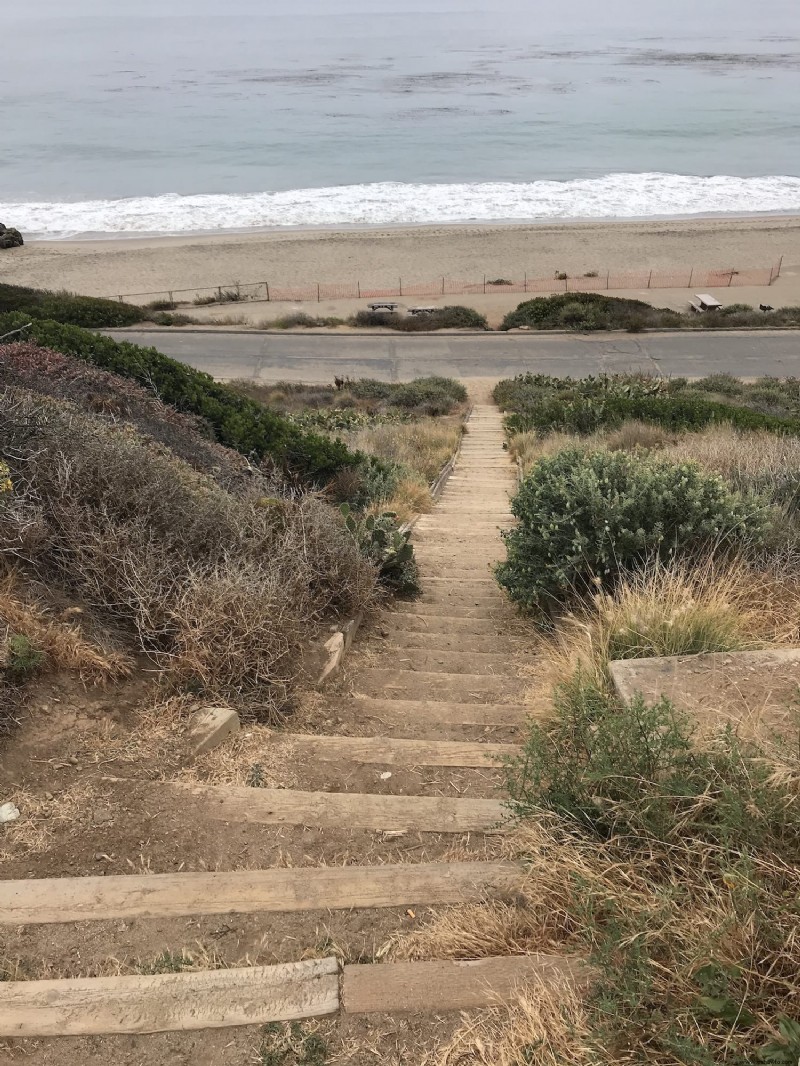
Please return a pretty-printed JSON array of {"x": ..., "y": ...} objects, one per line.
[{"x": 441, "y": 691}]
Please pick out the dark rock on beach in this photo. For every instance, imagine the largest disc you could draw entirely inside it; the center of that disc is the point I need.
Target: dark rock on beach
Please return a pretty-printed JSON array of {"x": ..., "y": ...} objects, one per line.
[{"x": 10, "y": 237}]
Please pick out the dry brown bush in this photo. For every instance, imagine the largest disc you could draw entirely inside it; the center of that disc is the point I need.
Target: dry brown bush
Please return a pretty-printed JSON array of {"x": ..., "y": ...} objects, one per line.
[{"x": 225, "y": 586}]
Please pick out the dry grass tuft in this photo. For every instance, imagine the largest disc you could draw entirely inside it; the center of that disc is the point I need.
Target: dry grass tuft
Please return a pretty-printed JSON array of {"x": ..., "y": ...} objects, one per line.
[
  {"x": 63, "y": 644},
  {"x": 529, "y": 447},
  {"x": 41, "y": 821},
  {"x": 411, "y": 497},
  {"x": 750, "y": 461},
  {"x": 669, "y": 608},
  {"x": 546, "y": 1024},
  {"x": 423, "y": 446}
]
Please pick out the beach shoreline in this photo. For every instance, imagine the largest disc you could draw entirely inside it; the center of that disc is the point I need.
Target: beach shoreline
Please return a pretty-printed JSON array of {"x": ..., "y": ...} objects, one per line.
[{"x": 380, "y": 255}]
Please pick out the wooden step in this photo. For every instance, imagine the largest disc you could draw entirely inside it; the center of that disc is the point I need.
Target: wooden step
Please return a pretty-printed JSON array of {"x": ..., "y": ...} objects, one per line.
[
  {"x": 411, "y": 684},
  {"x": 414, "y": 714},
  {"x": 419, "y": 623},
  {"x": 335, "y": 810},
  {"x": 50, "y": 900},
  {"x": 209, "y": 999},
  {"x": 456, "y": 596},
  {"x": 391, "y": 751},
  {"x": 430, "y": 987},
  {"x": 445, "y": 661},
  {"x": 461, "y": 642},
  {"x": 421, "y": 609}
]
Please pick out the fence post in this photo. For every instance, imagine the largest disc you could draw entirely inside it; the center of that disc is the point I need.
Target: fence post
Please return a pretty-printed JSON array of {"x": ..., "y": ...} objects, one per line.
[
  {"x": 484, "y": 284},
  {"x": 358, "y": 288},
  {"x": 526, "y": 281},
  {"x": 778, "y": 271},
  {"x": 649, "y": 278},
  {"x": 442, "y": 286},
  {"x": 608, "y": 280},
  {"x": 730, "y": 279},
  {"x": 400, "y": 287},
  {"x": 317, "y": 292},
  {"x": 171, "y": 298},
  {"x": 219, "y": 293},
  {"x": 691, "y": 275}
]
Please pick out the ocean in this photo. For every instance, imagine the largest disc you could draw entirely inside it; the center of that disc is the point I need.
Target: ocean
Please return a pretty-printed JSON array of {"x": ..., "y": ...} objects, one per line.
[{"x": 184, "y": 116}]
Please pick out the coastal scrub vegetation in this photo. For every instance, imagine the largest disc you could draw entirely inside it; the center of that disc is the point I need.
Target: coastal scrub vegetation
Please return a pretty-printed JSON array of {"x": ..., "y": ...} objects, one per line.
[
  {"x": 584, "y": 519},
  {"x": 413, "y": 428},
  {"x": 540, "y": 403},
  {"x": 219, "y": 570},
  {"x": 219, "y": 565},
  {"x": 587, "y": 311},
  {"x": 663, "y": 849},
  {"x": 448, "y": 317},
  {"x": 88, "y": 311},
  {"x": 232, "y": 419}
]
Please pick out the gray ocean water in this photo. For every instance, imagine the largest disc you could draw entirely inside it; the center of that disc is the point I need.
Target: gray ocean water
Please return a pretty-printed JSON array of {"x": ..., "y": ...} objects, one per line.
[{"x": 180, "y": 115}]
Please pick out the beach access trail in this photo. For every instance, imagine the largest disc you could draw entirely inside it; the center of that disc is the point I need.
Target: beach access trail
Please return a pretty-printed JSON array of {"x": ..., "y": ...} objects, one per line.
[
  {"x": 319, "y": 357},
  {"x": 396, "y": 804}
]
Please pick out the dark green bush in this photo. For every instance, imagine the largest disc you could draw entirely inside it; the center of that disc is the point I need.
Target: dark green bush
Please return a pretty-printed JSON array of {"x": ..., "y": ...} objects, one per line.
[
  {"x": 88, "y": 311},
  {"x": 588, "y": 310},
  {"x": 585, "y": 518},
  {"x": 449, "y": 317},
  {"x": 236, "y": 421}
]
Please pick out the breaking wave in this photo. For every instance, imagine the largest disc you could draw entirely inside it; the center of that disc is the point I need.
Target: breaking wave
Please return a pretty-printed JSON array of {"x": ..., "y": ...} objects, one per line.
[{"x": 614, "y": 196}]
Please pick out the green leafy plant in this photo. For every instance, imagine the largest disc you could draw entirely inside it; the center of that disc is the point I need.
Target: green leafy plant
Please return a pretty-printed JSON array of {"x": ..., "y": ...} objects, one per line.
[
  {"x": 23, "y": 660},
  {"x": 387, "y": 547},
  {"x": 585, "y": 518}
]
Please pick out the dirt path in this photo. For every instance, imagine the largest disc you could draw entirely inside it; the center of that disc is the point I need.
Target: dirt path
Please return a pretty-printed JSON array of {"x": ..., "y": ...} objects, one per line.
[{"x": 380, "y": 801}]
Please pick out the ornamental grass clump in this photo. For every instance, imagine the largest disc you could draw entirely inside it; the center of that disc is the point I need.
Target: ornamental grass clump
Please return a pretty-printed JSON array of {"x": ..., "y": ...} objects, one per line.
[{"x": 585, "y": 519}]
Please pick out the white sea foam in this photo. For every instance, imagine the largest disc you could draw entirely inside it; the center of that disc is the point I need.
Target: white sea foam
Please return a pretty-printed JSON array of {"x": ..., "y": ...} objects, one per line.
[{"x": 614, "y": 196}]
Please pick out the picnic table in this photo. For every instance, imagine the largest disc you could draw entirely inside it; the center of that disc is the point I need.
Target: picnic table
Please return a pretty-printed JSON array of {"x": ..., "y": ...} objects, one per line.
[
  {"x": 421, "y": 310},
  {"x": 383, "y": 305},
  {"x": 704, "y": 302}
]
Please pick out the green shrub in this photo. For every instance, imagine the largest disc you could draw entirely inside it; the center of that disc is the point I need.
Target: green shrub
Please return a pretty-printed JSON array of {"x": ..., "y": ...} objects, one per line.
[
  {"x": 587, "y": 310},
  {"x": 450, "y": 317},
  {"x": 88, "y": 311},
  {"x": 22, "y": 660},
  {"x": 543, "y": 403},
  {"x": 236, "y": 421},
  {"x": 585, "y": 518},
  {"x": 634, "y": 769}
]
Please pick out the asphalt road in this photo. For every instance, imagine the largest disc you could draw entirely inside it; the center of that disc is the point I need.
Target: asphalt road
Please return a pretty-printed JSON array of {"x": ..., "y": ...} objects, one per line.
[{"x": 318, "y": 357}]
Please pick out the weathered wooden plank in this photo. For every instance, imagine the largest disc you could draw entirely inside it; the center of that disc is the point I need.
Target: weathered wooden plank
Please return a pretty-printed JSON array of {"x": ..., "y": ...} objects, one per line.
[
  {"x": 210, "y": 999},
  {"x": 394, "y": 752},
  {"x": 441, "y": 712},
  {"x": 334, "y": 810},
  {"x": 74, "y": 899},
  {"x": 429, "y": 987}
]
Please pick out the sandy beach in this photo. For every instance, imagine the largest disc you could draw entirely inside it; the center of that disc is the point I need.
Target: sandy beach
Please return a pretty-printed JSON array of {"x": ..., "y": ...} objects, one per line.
[{"x": 381, "y": 256}]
